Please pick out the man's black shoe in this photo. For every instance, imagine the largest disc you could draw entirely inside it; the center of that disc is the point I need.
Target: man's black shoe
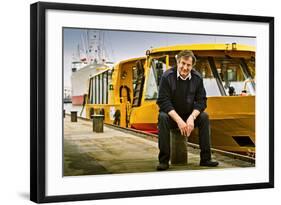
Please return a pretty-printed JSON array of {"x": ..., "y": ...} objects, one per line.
[
  {"x": 162, "y": 167},
  {"x": 209, "y": 163}
]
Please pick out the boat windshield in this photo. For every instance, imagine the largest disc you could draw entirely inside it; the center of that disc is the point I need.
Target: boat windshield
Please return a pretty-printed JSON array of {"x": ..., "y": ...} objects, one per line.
[
  {"x": 222, "y": 76},
  {"x": 157, "y": 67},
  {"x": 235, "y": 75},
  {"x": 210, "y": 82}
]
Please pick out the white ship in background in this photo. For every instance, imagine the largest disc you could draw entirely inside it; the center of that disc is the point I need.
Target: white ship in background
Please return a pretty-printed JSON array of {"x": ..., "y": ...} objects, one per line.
[{"x": 90, "y": 58}]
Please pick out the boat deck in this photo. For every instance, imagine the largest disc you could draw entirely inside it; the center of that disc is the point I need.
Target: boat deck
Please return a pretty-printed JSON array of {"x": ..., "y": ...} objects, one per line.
[{"x": 123, "y": 151}]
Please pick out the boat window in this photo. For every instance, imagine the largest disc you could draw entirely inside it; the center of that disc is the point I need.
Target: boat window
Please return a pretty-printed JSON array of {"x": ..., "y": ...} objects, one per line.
[
  {"x": 151, "y": 86},
  {"x": 90, "y": 92},
  {"x": 98, "y": 93},
  {"x": 98, "y": 89},
  {"x": 94, "y": 88},
  {"x": 251, "y": 66},
  {"x": 101, "y": 89},
  {"x": 172, "y": 61},
  {"x": 210, "y": 83},
  {"x": 233, "y": 77},
  {"x": 138, "y": 82},
  {"x": 157, "y": 68},
  {"x": 105, "y": 88}
]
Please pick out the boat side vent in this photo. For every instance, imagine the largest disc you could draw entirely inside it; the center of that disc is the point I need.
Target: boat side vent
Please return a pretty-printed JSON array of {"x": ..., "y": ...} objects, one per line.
[{"x": 244, "y": 141}]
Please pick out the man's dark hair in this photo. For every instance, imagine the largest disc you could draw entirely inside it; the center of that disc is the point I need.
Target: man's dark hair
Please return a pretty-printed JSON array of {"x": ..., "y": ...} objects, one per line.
[{"x": 186, "y": 53}]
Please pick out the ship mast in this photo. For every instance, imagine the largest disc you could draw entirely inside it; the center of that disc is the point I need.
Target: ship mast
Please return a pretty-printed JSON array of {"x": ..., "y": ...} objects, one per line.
[
  {"x": 91, "y": 50},
  {"x": 96, "y": 46}
]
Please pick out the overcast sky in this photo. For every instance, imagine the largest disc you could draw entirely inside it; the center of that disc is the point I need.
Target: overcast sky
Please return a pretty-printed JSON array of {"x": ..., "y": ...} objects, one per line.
[{"x": 121, "y": 45}]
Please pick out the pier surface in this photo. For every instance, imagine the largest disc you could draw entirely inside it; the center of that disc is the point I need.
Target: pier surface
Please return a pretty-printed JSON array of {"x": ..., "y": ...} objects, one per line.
[{"x": 118, "y": 151}]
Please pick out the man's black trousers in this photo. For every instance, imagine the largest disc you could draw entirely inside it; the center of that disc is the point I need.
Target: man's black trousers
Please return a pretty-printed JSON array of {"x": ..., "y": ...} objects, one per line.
[{"x": 166, "y": 123}]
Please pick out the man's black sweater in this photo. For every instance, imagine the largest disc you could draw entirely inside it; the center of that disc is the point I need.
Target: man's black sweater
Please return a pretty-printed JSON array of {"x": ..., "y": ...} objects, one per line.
[{"x": 183, "y": 96}]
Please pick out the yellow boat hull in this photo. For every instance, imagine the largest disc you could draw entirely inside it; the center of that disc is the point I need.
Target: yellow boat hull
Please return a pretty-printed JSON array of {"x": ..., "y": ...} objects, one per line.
[{"x": 232, "y": 120}]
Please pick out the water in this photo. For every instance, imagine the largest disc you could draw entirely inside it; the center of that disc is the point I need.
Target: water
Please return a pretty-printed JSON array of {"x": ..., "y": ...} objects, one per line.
[{"x": 69, "y": 107}]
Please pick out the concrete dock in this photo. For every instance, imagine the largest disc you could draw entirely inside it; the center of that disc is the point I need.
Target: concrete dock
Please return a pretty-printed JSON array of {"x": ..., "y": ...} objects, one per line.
[{"x": 116, "y": 151}]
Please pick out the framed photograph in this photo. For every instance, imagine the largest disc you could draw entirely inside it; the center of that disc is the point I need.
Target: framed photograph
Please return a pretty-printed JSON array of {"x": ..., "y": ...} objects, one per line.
[{"x": 97, "y": 80}]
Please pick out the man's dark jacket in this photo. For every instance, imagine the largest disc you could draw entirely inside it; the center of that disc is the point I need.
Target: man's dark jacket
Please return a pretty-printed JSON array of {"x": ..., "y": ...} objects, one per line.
[{"x": 194, "y": 96}]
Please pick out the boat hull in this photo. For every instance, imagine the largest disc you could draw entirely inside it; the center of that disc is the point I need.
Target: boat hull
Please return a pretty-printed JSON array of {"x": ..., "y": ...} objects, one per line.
[
  {"x": 77, "y": 100},
  {"x": 232, "y": 122}
]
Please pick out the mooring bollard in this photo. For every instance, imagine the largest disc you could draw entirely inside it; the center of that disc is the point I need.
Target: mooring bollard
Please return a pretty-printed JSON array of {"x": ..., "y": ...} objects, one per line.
[
  {"x": 98, "y": 123},
  {"x": 178, "y": 148},
  {"x": 94, "y": 124},
  {"x": 73, "y": 116}
]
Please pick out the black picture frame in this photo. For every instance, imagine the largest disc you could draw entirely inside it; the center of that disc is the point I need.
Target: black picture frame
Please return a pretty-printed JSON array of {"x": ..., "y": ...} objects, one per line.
[{"x": 38, "y": 100}]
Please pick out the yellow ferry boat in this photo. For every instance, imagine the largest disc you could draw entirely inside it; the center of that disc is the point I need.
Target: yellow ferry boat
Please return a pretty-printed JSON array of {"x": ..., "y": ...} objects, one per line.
[{"x": 129, "y": 92}]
